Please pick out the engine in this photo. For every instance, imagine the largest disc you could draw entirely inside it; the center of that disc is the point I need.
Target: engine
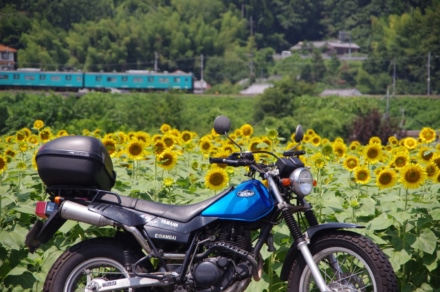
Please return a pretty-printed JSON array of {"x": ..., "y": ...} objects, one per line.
[
  {"x": 226, "y": 264},
  {"x": 216, "y": 274}
]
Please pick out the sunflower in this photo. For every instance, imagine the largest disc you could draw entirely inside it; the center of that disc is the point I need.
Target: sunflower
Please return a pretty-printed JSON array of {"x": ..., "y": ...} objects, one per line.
[
  {"x": 425, "y": 154},
  {"x": 362, "y": 175},
  {"x": 23, "y": 146},
  {"x": 400, "y": 160},
  {"x": 169, "y": 140},
  {"x": 165, "y": 128},
  {"x": 318, "y": 160},
  {"x": 373, "y": 153},
  {"x": 97, "y": 133},
  {"x": 255, "y": 144},
  {"x": 436, "y": 159},
  {"x": 168, "y": 181},
  {"x": 339, "y": 148},
  {"x": 392, "y": 140},
  {"x": 205, "y": 145},
  {"x": 354, "y": 145},
  {"x": 159, "y": 146},
  {"x": 45, "y": 134},
  {"x": 216, "y": 179},
  {"x": 412, "y": 176},
  {"x": 316, "y": 140},
  {"x": 375, "y": 140},
  {"x": 427, "y": 135},
  {"x": 167, "y": 160},
  {"x": 20, "y": 136},
  {"x": 62, "y": 133},
  {"x": 10, "y": 153},
  {"x": 327, "y": 150},
  {"x": 410, "y": 143},
  {"x": 144, "y": 137},
  {"x": 135, "y": 149},
  {"x": 272, "y": 134},
  {"x": 266, "y": 143},
  {"x": 110, "y": 145},
  {"x": 3, "y": 163},
  {"x": 351, "y": 162},
  {"x": 386, "y": 178},
  {"x": 38, "y": 124},
  {"x": 186, "y": 137},
  {"x": 432, "y": 170},
  {"x": 247, "y": 130},
  {"x": 33, "y": 139}
]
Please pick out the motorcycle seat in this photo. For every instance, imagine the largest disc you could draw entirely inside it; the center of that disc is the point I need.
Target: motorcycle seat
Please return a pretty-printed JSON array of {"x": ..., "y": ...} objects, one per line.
[{"x": 181, "y": 213}]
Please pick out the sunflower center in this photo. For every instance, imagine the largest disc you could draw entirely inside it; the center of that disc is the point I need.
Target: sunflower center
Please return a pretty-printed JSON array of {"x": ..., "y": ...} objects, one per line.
[
  {"x": 385, "y": 178},
  {"x": 372, "y": 153},
  {"x": 400, "y": 161},
  {"x": 412, "y": 176},
  {"x": 362, "y": 175},
  {"x": 216, "y": 179},
  {"x": 135, "y": 150}
]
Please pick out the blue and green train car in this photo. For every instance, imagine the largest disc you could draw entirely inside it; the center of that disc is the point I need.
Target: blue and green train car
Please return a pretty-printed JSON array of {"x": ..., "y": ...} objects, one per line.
[{"x": 102, "y": 81}]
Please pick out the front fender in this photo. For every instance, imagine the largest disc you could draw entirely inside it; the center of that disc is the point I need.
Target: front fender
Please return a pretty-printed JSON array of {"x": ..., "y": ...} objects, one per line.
[{"x": 293, "y": 252}]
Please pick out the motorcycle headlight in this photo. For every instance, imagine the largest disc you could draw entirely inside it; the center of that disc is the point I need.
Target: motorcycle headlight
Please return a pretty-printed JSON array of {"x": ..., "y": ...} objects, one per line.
[{"x": 301, "y": 180}]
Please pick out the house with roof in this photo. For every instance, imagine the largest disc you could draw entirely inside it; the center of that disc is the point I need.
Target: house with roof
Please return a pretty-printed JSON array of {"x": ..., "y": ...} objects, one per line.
[
  {"x": 7, "y": 57},
  {"x": 328, "y": 47},
  {"x": 341, "y": 92}
]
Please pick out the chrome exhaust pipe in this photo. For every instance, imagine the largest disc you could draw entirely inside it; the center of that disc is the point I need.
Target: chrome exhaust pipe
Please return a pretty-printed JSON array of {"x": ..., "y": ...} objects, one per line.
[{"x": 73, "y": 211}]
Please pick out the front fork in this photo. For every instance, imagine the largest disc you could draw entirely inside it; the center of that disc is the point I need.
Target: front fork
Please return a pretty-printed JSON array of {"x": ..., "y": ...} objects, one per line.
[{"x": 301, "y": 243}]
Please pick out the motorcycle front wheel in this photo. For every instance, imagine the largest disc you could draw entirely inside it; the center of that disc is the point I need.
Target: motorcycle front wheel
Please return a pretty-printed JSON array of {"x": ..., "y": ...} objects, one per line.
[
  {"x": 348, "y": 262},
  {"x": 95, "y": 258}
]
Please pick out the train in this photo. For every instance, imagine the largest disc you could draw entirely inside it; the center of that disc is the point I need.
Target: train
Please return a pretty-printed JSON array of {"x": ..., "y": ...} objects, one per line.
[{"x": 140, "y": 80}]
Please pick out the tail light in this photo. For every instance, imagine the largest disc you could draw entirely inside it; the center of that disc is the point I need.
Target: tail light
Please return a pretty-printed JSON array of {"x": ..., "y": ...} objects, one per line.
[{"x": 45, "y": 209}]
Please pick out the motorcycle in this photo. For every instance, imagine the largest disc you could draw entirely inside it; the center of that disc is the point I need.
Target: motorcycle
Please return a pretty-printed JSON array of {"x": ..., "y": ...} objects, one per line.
[{"x": 213, "y": 245}]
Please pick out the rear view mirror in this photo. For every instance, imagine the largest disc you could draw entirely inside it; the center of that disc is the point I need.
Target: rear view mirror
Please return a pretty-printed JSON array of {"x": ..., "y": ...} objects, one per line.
[
  {"x": 299, "y": 133},
  {"x": 222, "y": 125}
]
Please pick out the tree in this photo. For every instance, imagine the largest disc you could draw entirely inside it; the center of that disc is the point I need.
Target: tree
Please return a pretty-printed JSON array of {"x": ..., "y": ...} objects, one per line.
[{"x": 373, "y": 123}]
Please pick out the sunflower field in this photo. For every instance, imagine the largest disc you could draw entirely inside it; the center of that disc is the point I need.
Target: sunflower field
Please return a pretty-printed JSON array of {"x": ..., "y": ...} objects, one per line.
[{"x": 393, "y": 190}]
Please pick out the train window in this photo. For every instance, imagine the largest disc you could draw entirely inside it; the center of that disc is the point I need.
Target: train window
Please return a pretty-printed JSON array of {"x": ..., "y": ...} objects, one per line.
[
  {"x": 137, "y": 79},
  {"x": 16, "y": 76},
  {"x": 29, "y": 77},
  {"x": 55, "y": 78},
  {"x": 68, "y": 77},
  {"x": 42, "y": 77},
  {"x": 4, "y": 76},
  {"x": 176, "y": 79},
  {"x": 124, "y": 78},
  {"x": 163, "y": 80},
  {"x": 150, "y": 79},
  {"x": 98, "y": 78},
  {"x": 111, "y": 79}
]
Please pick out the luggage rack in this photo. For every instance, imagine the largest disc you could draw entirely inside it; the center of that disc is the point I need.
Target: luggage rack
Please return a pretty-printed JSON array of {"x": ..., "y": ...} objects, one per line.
[{"x": 80, "y": 193}]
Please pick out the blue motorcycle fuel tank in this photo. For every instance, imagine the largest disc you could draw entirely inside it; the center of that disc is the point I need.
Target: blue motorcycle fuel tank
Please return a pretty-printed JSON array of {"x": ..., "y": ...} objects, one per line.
[{"x": 249, "y": 201}]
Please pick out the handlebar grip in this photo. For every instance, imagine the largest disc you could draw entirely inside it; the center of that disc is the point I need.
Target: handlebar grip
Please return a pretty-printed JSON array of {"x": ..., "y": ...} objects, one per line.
[{"x": 217, "y": 160}]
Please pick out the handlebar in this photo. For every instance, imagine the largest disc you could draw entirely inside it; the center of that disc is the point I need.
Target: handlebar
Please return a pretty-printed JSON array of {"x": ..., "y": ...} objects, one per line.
[{"x": 231, "y": 162}]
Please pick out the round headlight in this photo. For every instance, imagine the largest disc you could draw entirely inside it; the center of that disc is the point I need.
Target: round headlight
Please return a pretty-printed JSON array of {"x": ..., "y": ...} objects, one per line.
[{"x": 301, "y": 180}]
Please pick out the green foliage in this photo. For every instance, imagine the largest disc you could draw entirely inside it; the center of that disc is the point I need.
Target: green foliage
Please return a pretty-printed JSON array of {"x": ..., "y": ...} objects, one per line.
[{"x": 237, "y": 39}]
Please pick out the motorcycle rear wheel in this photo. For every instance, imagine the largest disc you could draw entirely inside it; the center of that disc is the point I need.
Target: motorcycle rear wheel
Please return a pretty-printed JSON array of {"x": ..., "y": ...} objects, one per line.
[
  {"x": 98, "y": 257},
  {"x": 359, "y": 265}
]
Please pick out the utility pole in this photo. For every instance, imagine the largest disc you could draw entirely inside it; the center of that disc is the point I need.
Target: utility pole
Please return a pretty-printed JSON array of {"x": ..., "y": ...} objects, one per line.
[
  {"x": 251, "y": 62},
  {"x": 202, "y": 83},
  {"x": 155, "y": 61},
  {"x": 394, "y": 76},
  {"x": 429, "y": 73}
]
